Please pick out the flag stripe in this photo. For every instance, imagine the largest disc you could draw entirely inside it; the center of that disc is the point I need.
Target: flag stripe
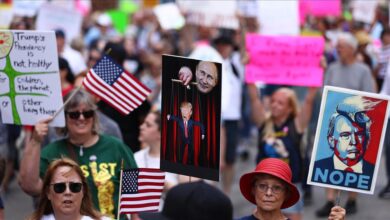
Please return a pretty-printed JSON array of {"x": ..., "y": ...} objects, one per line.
[
  {"x": 124, "y": 199},
  {"x": 137, "y": 210},
  {"x": 136, "y": 202},
  {"x": 99, "y": 89},
  {"x": 141, "y": 190},
  {"x": 114, "y": 85},
  {"x": 118, "y": 85},
  {"x": 140, "y": 91},
  {"x": 114, "y": 94},
  {"x": 97, "y": 92},
  {"x": 142, "y": 87}
]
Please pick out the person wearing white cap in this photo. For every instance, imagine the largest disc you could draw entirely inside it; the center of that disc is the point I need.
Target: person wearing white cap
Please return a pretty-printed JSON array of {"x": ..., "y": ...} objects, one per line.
[{"x": 102, "y": 30}]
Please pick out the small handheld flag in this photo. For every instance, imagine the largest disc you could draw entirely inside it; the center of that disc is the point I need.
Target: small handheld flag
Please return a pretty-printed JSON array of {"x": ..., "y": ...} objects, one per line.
[
  {"x": 114, "y": 85},
  {"x": 141, "y": 190}
]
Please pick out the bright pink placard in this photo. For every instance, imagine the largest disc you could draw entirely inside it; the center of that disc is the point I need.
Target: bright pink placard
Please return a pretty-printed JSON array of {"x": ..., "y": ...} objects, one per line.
[
  {"x": 319, "y": 8},
  {"x": 284, "y": 60}
]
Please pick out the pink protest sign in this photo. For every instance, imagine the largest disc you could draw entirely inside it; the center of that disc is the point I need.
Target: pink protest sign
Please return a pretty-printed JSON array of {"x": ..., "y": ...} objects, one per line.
[
  {"x": 284, "y": 60},
  {"x": 319, "y": 8}
]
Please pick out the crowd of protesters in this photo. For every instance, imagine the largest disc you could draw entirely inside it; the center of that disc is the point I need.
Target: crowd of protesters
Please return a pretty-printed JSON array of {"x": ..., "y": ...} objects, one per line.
[{"x": 92, "y": 125}]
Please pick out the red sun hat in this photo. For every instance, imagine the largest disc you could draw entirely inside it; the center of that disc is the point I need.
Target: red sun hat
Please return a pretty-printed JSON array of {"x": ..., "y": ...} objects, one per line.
[{"x": 276, "y": 168}]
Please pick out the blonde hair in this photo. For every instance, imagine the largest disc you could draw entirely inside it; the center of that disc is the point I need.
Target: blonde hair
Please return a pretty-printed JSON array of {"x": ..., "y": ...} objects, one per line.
[{"x": 269, "y": 131}]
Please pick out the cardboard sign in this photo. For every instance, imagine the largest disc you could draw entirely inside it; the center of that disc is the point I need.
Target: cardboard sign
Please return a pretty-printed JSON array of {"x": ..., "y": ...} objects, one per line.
[
  {"x": 364, "y": 11},
  {"x": 51, "y": 17},
  {"x": 285, "y": 60},
  {"x": 191, "y": 117},
  {"x": 169, "y": 16},
  {"x": 348, "y": 144},
  {"x": 102, "y": 5},
  {"x": 30, "y": 87},
  {"x": 278, "y": 17},
  {"x": 221, "y": 14}
]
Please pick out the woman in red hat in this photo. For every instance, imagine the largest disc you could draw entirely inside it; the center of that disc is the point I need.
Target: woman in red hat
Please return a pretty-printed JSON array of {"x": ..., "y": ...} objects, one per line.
[{"x": 269, "y": 187}]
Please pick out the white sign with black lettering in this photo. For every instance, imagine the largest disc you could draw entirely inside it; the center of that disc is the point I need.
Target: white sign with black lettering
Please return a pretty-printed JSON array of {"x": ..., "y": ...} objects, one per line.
[{"x": 30, "y": 87}]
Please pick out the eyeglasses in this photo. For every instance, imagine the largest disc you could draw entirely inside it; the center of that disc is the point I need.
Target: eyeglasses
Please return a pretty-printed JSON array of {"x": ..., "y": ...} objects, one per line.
[
  {"x": 275, "y": 189},
  {"x": 76, "y": 114},
  {"x": 61, "y": 187}
]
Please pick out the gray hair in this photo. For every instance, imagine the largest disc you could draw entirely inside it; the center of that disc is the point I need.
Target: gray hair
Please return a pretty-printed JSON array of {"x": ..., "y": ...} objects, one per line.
[
  {"x": 81, "y": 97},
  {"x": 349, "y": 39}
]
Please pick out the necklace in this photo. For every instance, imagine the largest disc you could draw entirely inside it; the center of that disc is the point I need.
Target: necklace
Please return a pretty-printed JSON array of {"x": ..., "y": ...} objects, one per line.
[{"x": 87, "y": 143}]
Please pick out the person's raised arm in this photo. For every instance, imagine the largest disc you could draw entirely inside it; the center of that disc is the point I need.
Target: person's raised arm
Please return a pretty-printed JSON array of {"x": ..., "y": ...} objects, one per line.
[
  {"x": 303, "y": 118},
  {"x": 257, "y": 108},
  {"x": 29, "y": 179}
]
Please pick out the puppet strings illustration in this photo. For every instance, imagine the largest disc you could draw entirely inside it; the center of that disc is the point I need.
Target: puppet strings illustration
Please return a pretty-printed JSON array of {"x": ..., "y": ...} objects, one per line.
[{"x": 185, "y": 123}]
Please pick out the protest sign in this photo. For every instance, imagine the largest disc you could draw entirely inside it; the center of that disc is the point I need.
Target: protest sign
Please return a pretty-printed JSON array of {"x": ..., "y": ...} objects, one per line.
[
  {"x": 30, "y": 87},
  {"x": 221, "y": 14},
  {"x": 26, "y": 8},
  {"x": 364, "y": 11},
  {"x": 284, "y": 60},
  {"x": 348, "y": 144},
  {"x": 318, "y": 8},
  {"x": 6, "y": 15},
  {"x": 52, "y": 17},
  {"x": 278, "y": 17},
  {"x": 99, "y": 5},
  {"x": 190, "y": 117},
  {"x": 169, "y": 16}
]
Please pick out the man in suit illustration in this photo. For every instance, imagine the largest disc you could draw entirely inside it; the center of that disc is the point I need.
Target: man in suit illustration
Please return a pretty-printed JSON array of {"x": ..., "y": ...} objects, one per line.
[{"x": 186, "y": 125}]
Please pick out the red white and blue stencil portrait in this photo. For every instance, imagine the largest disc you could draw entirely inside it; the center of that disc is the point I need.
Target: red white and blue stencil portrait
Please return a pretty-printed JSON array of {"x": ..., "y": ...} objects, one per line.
[{"x": 348, "y": 144}]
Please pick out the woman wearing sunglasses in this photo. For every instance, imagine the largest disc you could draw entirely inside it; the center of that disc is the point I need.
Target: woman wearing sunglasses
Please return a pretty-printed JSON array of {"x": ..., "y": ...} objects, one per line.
[
  {"x": 65, "y": 194},
  {"x": 99, "y": 156},
  {"x": 270, "y": 188}
]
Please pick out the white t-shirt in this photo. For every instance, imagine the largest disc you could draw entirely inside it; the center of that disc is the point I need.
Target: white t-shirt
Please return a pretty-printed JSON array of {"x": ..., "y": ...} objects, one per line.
[{"x": 144, "y": 160}]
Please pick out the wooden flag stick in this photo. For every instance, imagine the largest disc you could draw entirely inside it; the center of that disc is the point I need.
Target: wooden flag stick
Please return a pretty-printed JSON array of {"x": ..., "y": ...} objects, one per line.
[
  {"x": 120, "y": 191},
  {"x": 66, "y": 102}
]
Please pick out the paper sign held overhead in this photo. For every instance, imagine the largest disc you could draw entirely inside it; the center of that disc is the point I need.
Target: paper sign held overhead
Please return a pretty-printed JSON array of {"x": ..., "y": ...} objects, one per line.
[
  {"x": 169, "y": 16},
  {"x": 30, "y": 87},
  {"x": 221, "y": 14},
  {"x": 285, "y": 60}
]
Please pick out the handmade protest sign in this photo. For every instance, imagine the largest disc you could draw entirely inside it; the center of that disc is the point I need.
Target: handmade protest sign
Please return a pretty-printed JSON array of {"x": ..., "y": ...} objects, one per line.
[
  {"x": 221, "y": 14},
  {"x": 348, "y": 144},
  {"x": 319, "y": 8},
  {"x": 190, "y": 117},
  {"x": 285, "y": 60},
  {"x": 30, "y": 87},
  {"x": 169, "y": 16},
  {"x": 52, "y": 17},
  {"x": 278, "y": 17}
]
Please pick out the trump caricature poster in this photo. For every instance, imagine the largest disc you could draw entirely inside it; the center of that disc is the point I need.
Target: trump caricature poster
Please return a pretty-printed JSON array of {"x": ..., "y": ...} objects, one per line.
[
  {"x": 191, "y": 114},
  {"x": 349, "y": 138}
]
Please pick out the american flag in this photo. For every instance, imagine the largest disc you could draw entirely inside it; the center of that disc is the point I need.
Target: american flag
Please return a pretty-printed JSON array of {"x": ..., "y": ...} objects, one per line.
[
  {"x": 115, "y": 86},
  {"x": 141, "y": 190}
]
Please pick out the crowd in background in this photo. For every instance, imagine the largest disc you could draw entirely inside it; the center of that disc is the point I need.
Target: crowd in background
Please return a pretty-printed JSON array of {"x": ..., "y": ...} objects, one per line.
[{"x": 139, "y": 51}]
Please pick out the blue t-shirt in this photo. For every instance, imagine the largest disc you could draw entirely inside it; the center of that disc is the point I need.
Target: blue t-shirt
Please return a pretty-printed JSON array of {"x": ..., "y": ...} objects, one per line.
[{"x": 251, "y": 217}]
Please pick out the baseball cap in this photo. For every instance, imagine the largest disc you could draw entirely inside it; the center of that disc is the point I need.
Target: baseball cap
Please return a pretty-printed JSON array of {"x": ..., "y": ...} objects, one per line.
[{"x": 195, "y": 200}]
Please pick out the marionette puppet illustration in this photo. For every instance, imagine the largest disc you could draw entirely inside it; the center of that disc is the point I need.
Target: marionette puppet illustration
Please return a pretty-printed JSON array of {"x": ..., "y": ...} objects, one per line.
[{"x": 191, "y": 106}]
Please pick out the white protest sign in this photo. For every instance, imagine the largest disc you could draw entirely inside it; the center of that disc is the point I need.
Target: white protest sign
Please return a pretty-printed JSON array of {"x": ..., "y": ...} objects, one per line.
[
  {"x": 364, "y": 11},
  {"x": 6, "y": 15},
  {"x": 51, "y": 17},
  {"x": 26, "y": 8},
  {"x": 169, "y": 16},
  {"x": 278, "y": 17},
  {"x": 30, "y": 87},
  {"x": 221, "y": 14}
]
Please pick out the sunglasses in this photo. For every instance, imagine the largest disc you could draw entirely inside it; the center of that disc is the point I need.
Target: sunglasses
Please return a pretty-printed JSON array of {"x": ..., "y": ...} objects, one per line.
[
  {"x": 76, "y": 114},
  {"x": 61, "y": 187}
]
